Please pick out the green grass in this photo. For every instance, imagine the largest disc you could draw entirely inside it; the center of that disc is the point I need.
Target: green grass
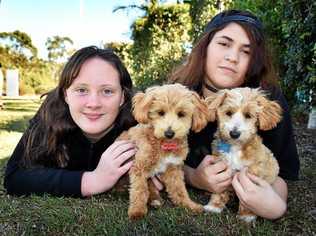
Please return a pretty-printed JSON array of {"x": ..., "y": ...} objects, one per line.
[{"x": 106, "y": 214}]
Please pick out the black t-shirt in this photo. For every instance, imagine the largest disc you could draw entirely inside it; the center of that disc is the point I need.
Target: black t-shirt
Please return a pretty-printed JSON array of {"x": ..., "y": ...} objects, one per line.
[{"x": 279, "y": 140}]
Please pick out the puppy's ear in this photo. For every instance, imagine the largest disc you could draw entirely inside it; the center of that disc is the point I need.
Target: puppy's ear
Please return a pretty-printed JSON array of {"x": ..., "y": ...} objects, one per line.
[
  {"x": 141, "y": 104},
  {"x": 213, "y": 102},
  {"x": 200, "y": 114},
  {"x": 270, "y": 113}
]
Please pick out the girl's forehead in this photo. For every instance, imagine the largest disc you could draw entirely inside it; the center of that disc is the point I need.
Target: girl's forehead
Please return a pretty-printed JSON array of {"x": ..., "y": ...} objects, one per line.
[{"x": 233, "y": 32}]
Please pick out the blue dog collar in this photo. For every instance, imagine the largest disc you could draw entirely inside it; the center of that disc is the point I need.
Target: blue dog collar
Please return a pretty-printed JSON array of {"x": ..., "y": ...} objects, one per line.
[{"x": 223, "y": 146}]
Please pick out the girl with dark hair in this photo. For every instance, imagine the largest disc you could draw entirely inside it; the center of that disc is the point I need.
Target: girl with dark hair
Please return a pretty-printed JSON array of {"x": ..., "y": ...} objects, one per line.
[
  {"x": 232, "y": 52},
  {"x": 68, "y": 148}
]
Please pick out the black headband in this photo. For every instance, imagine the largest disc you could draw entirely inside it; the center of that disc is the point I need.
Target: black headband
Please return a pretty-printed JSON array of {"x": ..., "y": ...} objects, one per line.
[{"x": 220, "y": 20}]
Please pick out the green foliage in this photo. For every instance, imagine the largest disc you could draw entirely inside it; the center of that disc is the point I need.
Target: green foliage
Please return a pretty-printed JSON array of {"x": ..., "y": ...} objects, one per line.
[
  {"x": 299, "y": 38},
  {"x": 290, "y": 26},
  {"x": 201, "y": 12},
  {"x": 37, "y": 76},
  {"x": 57, "y": 48},
  {"x": 18, "y": 42},
  {"x": 160, "y": 39},
  {"x": 123, "y": 51}
]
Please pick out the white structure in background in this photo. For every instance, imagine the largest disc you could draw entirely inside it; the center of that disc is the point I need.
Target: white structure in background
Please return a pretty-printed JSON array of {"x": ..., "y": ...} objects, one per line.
[
  {"x": 1, "y": 83},
  {"x": 312, "y": 119},
  {"x": 12, "y": 78}
]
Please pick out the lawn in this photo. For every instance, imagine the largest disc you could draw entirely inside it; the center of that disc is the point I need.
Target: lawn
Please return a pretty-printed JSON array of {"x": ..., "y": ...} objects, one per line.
[{"x": 106, "y": 214}]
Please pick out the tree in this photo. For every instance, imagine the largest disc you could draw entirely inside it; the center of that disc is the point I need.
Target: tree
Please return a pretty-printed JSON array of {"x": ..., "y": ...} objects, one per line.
[
  {"x": 18, "y": 43},
  {"x": 58, "y": 48},
  {"x": 290, "y": 26},
  {"x": 202, "y": 11},
  {"x": 160, "y": 40}
]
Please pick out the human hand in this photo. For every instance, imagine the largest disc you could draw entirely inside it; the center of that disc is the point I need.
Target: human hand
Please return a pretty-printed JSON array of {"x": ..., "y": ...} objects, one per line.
[
  {"x": 111, "y": 167},
  {"x": 211, "y": 175},
  {"x": 258, "y": 195}
]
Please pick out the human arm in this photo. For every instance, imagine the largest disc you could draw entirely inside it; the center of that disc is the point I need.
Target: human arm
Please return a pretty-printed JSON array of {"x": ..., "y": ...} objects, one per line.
[
  {"x": 263, "y": 199},
  {"x": 39, "y": 180},
  {"x": 210, "y": 175}
]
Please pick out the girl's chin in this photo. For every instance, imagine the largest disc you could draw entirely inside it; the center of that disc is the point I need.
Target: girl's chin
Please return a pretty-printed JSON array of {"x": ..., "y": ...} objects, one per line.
[{"x": 227, "y": 83}]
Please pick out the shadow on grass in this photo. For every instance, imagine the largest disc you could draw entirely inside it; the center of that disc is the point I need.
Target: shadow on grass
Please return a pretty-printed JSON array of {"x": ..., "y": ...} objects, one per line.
[{"x": 17, "y": 125}]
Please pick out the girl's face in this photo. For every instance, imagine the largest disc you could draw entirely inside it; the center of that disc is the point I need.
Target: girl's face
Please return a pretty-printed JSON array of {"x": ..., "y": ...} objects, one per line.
[
  {"x": 228, "y": 56},
  {"x": 94, "y": 97}
]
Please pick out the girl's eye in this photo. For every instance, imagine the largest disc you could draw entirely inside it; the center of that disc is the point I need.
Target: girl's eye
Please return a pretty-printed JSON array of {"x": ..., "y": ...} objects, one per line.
[
  {"x": 81, "y": 90},
  {"x": 223, "y": 44},
  {"x": 246, "y": 52},
  {"x": 107, "y": 91}
]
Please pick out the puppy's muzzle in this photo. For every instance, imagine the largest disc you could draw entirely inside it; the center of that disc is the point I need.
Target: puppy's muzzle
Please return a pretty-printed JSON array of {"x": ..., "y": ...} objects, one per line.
[
  {"x": 169, "y": 133},
  {"x": 234, "y": 134}
]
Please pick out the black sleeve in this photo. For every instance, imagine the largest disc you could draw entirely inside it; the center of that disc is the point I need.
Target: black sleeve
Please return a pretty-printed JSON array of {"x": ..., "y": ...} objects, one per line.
[
  {"x": 280, "y": 141},
  {"x": 24, "y": 181},
  {"x": 200, "y": 145}
]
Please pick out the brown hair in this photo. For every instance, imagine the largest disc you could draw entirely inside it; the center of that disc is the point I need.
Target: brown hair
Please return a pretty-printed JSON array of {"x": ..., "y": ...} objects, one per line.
[
  {"x": 260, "y": 71},
  {"x": 47, "y": 130}
]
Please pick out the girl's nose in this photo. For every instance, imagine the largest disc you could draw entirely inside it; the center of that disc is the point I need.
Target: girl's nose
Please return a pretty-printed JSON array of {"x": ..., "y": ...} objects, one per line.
[
  {"x": 232, "y": 56},
  {"x": 93, "y": 100}
]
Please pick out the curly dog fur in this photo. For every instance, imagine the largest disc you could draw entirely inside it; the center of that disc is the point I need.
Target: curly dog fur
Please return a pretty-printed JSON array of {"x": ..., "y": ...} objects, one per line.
[
  {"x": 240, "y": 113},
  {"x": 165, "y": 115}
]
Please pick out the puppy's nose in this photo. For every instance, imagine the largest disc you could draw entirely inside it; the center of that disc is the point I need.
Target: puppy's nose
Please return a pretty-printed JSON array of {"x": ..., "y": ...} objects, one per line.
[
  {"x": 169, "y": 133},
  {"x": 234, "y": 134}
]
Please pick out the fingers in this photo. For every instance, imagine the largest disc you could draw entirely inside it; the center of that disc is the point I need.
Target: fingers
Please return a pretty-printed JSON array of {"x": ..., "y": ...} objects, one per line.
[
  {"x": 245, "y": 182},
  {"x": 125, "y": 156},
  {"x": 207, "y": 161},
  {"x": 223, "y": 176},
  {"x": 224, "y": 184},
  {"x": 219, "y": 167},
  {"x": 157, "y": 183},
  {"x": 124, "y": 168},
  {"x": 120, "y": 147},
  {"x": 237, "y": 186},
  {"x": 257, "y": 180}
]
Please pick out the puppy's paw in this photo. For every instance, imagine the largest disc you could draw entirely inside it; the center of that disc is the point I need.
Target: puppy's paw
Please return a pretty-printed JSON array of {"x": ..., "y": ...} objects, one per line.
[
  {"x": 247, "y": 218},
  {"x": 156, "y": 203},
  {"x": 196, "y": 208},
  {"x": 211, "y": 208},
  {"x": 136, "y": 214}
]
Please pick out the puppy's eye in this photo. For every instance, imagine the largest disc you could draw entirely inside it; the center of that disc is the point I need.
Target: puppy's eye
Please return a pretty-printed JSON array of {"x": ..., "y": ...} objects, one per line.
[
  {"x": 181, "y": 114},
  {"x": 228, "y": 113},
  {"x": 161, "y": 113},
  {"x": 247, "y": 115}
]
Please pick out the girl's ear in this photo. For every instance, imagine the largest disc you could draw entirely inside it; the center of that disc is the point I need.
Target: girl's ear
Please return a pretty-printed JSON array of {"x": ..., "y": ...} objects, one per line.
[
  {"x": 141, "y": 105},
  {"x": 66, "y": 97},
  {"x": 200, "y": 115},
  {"x": 270, "y": 113},
  {"x": 214, "y": 102}
]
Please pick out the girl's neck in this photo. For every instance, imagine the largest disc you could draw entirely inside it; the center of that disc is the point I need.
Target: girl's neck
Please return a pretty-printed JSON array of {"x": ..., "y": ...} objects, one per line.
[
  {"x": 208, "y": 89},
  {"x": 96, "y": 138}
]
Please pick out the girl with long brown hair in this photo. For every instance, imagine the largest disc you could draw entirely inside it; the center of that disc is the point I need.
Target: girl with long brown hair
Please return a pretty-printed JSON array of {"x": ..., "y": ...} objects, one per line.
[
  {"x": 69, "y": 148},
  {"x": 232, "y": 52}
]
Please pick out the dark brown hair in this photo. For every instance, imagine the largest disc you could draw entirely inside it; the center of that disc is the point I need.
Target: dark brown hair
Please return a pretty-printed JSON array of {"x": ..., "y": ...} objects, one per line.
[
  {"x": 47, "y": 130},
  {"x": 260, "y": 71}
]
